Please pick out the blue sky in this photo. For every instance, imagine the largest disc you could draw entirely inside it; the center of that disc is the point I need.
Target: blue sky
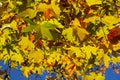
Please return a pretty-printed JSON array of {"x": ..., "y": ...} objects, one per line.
[{"x": 16, "y": 74}]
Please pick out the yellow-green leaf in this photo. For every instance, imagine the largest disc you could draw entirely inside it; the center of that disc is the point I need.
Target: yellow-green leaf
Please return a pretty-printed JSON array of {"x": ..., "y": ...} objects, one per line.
[
  {"x": 13, "y": 24},
  {"x": 93, "y": 2}
]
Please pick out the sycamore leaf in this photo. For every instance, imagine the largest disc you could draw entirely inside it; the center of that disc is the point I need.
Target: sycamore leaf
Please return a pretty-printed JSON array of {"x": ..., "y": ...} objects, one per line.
[
  {"x": 48, "y": 25},
  {"x": 110, "y": 20},
  {"x": 89, "y": 50},
  {"x": 47, "y": 14},
  {"x": 37, "y": 56},
  {"x": 75, "y": 22},
  {"x": 106, "y": 60},
  {"x": 13, "y": 25},
  {"x": 31, "y": 13},
  {"x": 26, "y": 70},
  {"x": 43, "y": 7},
  {"x": 55, "y": 22},
  {"x": 28, "y": 29},
  {"x": 116, "y": 46},
  {"x": 93, "y": 2},
  {"x": 100, "y": 53},
  {"x": 81, "y": 33},
  {"x": 68, "y": 33},
  {"x": 77, "y": 51},
  {"x": 94, "y": 76},
  {"x": 2, "y": 40},
  {"x": 99, "y": 77},
  {"x": 46, "y": 30},
  {"x": 56, "y": 9},
  {"x": 17, "y": 57},
  {"x": 25, "y": 43},
  {"x": 29, "y": 21},
  {"x": 46, "y": 33},
  {"x": 114, "y": 59},
  {"x": 91, "y": 19},
  {"x": 102, "y": 32}
]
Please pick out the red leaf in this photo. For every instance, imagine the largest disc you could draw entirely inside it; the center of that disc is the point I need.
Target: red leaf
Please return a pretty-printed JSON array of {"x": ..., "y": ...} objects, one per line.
[{"x": 114, "y": 35}]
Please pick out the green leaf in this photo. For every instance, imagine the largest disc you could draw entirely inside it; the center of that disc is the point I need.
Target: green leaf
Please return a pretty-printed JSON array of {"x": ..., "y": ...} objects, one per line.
[
  {"x": 28, "y": 29},
  {"x": 46, "y": 33},
  {"x": 29, "y": 21},
  {"x": 31, "y": 13},
  {"x": 48, "y": 25}
]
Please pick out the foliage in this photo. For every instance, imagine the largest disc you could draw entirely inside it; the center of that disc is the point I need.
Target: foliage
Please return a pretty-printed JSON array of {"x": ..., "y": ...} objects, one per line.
[{"x": 69, "y": 37}]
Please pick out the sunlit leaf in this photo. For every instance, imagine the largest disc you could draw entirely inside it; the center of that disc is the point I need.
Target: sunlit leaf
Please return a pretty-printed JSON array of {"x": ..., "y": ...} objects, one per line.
[
  {"x": 25, "y": 43},
  {"x": 17, "y": 57},
  {"x": 93, "y": 2},
  {"x": 37, "y": 56},
  {"x": 13, "y": 24},
  {"x": 56, "y": 9},
  {"x": 81, "y": 33},
  {"x": 68, "y": 33},
  {"x": 110, "y": 20},
  {"x": 106, "y": 60},
  {"x": 31, "y": 13}
]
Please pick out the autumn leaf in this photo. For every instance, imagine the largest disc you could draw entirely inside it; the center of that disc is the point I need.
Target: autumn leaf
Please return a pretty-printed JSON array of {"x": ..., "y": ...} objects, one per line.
[
  {"x": 93, "y": 2},
  {"x": 106, "y": 60},
  {"x": 68, "y": 33},
  {"x": 47, "y": 14},
  {"x": 80, "y": 32},
  {"x": 114, "y": 35},
  {"x": 31, "y": 13},
  {"x": 25, "y": 43},
  {"x": 37, "y": 56}
]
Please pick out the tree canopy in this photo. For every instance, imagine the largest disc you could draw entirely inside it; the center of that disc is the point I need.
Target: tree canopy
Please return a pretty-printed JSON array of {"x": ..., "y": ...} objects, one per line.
[{"x": 68, "y": 37}]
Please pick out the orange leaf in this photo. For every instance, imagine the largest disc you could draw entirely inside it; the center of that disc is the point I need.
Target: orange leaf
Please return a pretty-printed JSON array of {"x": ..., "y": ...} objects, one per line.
[
  {"x": 47, "y": 13},
  {"x": 32, "y": 37},
  {"x": 70, "y": 66},
  {"x": 72, "y": 71}
]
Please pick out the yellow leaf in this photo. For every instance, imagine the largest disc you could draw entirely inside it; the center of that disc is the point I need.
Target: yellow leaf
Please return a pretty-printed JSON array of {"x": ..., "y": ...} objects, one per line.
[
  {"x": 13, "y": 25},
  {"x": 106, "y": 60},
  {"x": 37, "y": 56},
  {"x": 99, "y": 77},
  {"x": 26, "y": 70},
  {"x": 56, "y": 22},
  {"x": 110, "y": 20},
  {"x": 116, "y": 46},
  {"x": 93, "y": 2},
  {"x": 94, "y": 76},
  {"x": 68, "y": 33},
  {"x": 77, "y": 51},
  {"x": 43, "y": 7},
  {"x": 56, "y": 9},
  {"x": 75, "y": 23},
  {"x": 88, "y": 50},
  {"x": 103, "y": 31},
  {"x": 31, "y": 13},
  {"x": 81, "y": 33},
  {"x": 25, "y": 43},
  {"x": 100, "y": 53},
  {"x": 91, "y": 19},
  {"x": 114, "y": 59},
  {"x": 17, "y": 57}
]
